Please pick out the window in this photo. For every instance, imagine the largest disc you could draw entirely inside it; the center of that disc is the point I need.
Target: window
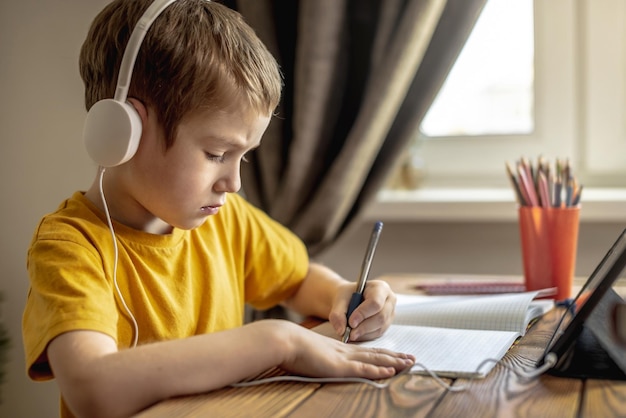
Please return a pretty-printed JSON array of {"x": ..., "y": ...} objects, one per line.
[
  {"x": 490, "y": 88},
  {"x": 570, "y": 104}
]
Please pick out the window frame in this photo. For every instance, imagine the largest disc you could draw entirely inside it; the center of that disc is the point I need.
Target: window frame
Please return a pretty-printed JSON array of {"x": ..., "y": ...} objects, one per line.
[
  {"x": 604, "y": 66},
  {"x": 570, "y": 99}
]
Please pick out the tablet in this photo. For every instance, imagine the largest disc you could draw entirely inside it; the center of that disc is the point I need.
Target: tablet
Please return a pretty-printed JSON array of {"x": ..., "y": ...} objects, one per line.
[{"x": 571, "y": 322}]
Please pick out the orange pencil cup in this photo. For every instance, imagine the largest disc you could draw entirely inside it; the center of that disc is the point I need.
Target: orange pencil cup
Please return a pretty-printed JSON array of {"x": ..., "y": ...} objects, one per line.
[{"x": 549, "y": 239}]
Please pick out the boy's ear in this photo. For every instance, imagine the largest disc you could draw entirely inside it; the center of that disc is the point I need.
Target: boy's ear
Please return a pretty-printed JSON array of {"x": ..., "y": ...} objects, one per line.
[{"x": 140, "y": 108}]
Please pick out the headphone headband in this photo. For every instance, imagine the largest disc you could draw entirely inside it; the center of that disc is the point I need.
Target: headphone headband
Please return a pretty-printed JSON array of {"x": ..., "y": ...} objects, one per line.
[
  {"x": 113, "y": 127},
  {"x": 134, "y": 43}
]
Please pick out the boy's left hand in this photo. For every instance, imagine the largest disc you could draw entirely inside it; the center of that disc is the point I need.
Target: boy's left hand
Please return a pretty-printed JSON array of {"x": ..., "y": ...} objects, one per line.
[{"x": 371, "y": 318}]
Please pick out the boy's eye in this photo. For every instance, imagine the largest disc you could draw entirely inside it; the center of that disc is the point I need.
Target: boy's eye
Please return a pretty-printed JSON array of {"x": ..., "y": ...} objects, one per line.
[
  {"x": 222, "y": 158},
  {"x": 213, "y": 157}
]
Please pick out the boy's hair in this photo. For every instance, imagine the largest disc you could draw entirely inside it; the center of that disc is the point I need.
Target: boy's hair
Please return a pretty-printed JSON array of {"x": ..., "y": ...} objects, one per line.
[{"x": 198, "y": 55}]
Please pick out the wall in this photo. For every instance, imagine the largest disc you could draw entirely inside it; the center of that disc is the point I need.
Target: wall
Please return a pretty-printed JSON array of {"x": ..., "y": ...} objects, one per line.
[
  {"x": 43, "y": 162},
  {"x": 456, "y": 248}
]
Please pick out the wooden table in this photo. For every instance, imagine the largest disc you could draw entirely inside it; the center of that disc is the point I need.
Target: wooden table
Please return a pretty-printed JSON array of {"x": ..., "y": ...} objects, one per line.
[{"x": 500, "y": 394}]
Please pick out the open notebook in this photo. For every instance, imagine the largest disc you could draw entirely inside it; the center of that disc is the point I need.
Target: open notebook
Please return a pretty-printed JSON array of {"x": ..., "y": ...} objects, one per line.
[{"x": 453, "y": 335}]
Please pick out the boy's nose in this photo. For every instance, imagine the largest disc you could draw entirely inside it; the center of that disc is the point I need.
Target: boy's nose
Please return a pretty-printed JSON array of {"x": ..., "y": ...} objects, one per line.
[{"x": 230, "y": 181}]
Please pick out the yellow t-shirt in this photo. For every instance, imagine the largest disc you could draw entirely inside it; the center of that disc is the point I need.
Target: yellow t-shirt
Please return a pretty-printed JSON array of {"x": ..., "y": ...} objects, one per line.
[{"x": 177, "y": 285}]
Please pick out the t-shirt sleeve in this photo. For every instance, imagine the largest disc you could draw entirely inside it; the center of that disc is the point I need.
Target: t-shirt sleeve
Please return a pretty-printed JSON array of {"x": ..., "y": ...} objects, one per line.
[{"x": 68, "y": 291}]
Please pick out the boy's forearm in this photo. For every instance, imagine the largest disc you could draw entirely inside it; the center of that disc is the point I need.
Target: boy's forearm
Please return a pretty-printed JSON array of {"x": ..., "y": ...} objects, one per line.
[
  {"x": 316, "y": 294},
  {"x": 124, "y": 382}
]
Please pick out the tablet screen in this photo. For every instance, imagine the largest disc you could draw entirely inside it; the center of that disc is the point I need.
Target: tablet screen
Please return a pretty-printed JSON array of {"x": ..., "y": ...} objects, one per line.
[{"x": 603, "y": 277}]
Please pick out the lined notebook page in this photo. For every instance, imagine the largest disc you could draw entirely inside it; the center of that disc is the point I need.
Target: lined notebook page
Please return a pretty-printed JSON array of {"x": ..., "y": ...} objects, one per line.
[
  {"x": 448, "y": 352},
  {"x": 505, "y": 312}
]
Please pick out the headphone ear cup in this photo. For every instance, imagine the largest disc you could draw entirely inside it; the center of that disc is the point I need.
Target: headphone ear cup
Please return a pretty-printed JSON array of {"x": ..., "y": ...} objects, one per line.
[{"x": 112, "y": 132}]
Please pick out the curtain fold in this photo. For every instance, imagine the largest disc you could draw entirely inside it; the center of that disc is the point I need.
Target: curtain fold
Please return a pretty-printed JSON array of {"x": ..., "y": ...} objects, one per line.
[{"x": 359, "y": 77}]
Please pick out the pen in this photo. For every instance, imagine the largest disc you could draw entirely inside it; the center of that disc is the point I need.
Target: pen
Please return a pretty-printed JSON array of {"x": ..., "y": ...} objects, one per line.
[
  {"x": 569, "y": 188},
  {"x": 576, "y": 199},
  {"x": 516, "y": 187},
  {"x": 557, "y": 191},
  {"x": 357, "y": 297},
  {"x": 527, "y": 184},
  {"x": 544, "y": 192}
]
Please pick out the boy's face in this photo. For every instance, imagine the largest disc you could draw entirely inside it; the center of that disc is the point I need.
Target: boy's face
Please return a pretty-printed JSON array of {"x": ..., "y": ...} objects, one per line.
[{"x": 183, "y": 185}]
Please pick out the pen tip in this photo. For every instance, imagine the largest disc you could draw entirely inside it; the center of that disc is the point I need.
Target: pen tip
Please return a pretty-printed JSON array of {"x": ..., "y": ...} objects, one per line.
[
  {"x": 346, "y": 335},
  {"x": 378, "y": 225}
]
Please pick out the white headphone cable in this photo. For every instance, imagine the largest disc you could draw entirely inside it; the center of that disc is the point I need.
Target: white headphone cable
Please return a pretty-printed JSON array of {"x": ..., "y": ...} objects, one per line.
[
  {"x": 115, "y": 250},
  {"x": 549, "y": 362}
]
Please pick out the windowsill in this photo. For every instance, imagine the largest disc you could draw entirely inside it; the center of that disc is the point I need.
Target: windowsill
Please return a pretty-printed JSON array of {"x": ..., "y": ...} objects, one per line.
[{"x": 483, "y": 205}]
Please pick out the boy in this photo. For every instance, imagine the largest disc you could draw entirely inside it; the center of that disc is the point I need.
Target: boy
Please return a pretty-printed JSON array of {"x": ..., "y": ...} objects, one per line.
[{"x": 138, "y": 284}]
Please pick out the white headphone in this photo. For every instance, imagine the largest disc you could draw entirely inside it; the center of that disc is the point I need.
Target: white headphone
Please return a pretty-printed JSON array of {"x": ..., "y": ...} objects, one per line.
[{"x": 113, "y": 127}]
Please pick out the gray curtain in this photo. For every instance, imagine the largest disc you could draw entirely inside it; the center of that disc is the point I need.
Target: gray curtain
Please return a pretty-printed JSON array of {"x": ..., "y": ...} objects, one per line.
[{"x": 359, "y": 77}]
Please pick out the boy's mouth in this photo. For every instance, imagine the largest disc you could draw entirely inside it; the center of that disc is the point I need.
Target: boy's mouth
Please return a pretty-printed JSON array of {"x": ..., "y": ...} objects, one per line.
[{"x": 211, "y": 210}]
